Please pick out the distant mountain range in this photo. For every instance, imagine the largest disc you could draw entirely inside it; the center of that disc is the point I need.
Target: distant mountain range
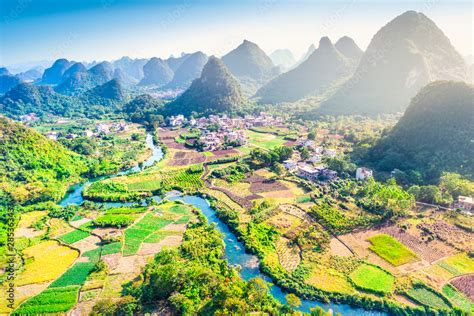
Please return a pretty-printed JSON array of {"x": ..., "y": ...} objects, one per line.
[
  {"x": 216, "y": 91},
  {"x": 156, "y": 72},
  {"x": 308, "y": 53},
  {"x": 54, "y": 74},
  {"x": 434, "y": 135},
  {"x": 188, "y": 70},
  {"x": 27, "y": 98},
  {"x": 404, "y": 55},
  {"x": 7, "y": 80},
  {"x": 325, "y": 66},
  {"x": 283, "y": 58},
  {"x": 347, "y": 47}
]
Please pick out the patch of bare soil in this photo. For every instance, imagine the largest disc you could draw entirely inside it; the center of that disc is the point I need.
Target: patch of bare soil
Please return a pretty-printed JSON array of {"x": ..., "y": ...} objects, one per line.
[
  {"x": 82, "y": 308},
  {"x": 175, "y": 227},
  {"x": 184, "y": 158},
  {"x": 130, "y": 264},
  {"x": 80, "y": 222},
  {"x": 154, "y": 248},
  {"x": 465, "y": 284},
  {"x": 338, "y": 248},
  {"x": 413, "y": 266},
  {"x": 279, "y": 194},
  {"x": 452, "y": 235},
  {"x": 102, "y": 232},
  {"x": 225, "y": 152},
  {"x": 253, "y": 197},
  {"x": 26, "y": 291},
  {"x": 87, "y": 243},
  {"x": 28, "y": 232},
  {"x": 112, "y": 260}
]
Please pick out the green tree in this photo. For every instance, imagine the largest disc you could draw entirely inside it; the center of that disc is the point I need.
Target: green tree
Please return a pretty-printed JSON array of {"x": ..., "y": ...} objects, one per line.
[{"x": 293, "y": 300}]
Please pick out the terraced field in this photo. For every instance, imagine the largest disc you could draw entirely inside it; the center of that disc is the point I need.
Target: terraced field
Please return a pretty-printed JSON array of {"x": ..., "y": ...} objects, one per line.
[
  {"x": 373, "y": 279},
  {"x": 391, "y": 250}
]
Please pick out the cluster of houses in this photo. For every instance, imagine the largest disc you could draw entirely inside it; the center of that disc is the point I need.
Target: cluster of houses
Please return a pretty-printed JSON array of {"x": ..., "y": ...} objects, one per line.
[
  {"x": 465, "y": 204},
  {"x": 212, "y": 141},
  {"x": 100, "y": 129},
  {"x": 309, "y": 172},
  {"x": 103, "y": 128},
  {"x": 223, "y": 132},
  {"x": 316, "y": 152},
  {"x": 28, "y": 118},
  {"x": 307, "y": 169},
  {"x": 223, "y": 121}
]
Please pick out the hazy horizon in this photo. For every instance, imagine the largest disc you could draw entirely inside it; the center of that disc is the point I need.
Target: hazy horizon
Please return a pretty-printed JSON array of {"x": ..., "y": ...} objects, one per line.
[{"x": 96, "y": 30}]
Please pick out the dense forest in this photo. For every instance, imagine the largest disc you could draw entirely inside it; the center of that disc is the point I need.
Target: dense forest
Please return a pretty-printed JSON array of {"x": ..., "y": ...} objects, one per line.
[
  {"x": 433, "y": 136},
  {"x": 27, "y": 98},
  {"x": 34, "y": 168}
]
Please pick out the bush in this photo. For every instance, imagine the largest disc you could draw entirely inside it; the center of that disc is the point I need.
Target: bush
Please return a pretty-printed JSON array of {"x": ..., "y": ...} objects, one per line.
[{"x": 115, "y": 220}]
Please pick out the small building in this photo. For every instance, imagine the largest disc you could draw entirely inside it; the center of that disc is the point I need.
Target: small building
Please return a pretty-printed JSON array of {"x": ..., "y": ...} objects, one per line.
[
  {"x": 328, "y": 174},
  {"x": 52, "y": 135},
  {"x": 363, "y": 173},
  {"x": 102, "y": 128},
  {"x": 28, "y": 118},
  {"x": 290, "y": 164},
  {"x": 465, "y": 203},
  {"x": 308, "y": 172},
  {"x": 175, "y": 121},
  {"x": 315, "y": 158}
]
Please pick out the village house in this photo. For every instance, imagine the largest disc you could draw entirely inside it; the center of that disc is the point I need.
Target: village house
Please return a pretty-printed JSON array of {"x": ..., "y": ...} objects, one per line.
[
  {"x": 119, "y": 126},
  {"x": 192, "y": 122},
  {"x": 290, "y": 164},
  {"x": 102, "y": 128},
  {"x": 328, "y": 174},
  {"x": 175, "y": 121},
  {"x": 315, "y": 158},
  {"x": 307, "y": 172},
  {"x": 28, "y": 118},
  {"x": 52, "y": 135},
  {"x": 315, "y": 173},
  {"x": 465, "y": 203},
  {"x": 363, "y": 173}
]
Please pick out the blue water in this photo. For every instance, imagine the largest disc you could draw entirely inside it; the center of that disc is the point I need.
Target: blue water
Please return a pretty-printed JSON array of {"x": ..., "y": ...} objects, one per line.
[
  {"x": 236, "y": 255},
  {"x": 234, "y": 250},
  {"x": 74, "y": 195}
]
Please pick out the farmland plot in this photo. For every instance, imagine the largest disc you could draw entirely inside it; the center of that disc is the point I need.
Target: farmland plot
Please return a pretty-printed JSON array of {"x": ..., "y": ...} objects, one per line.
[
  {"x": 464, "y": 285},
  {"x": 373, "y": 279},
  {"x": 50, "y": 260},
  {"x": 289, "y": 255},
  {"x": 391, "y": 250},
  {"x": 54, "y": 300}
]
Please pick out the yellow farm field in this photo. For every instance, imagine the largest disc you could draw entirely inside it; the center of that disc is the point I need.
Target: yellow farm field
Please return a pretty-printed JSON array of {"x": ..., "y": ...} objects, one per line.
[
  {"x": 48, "y": 261},
  {"x": 330, "y": 280}
]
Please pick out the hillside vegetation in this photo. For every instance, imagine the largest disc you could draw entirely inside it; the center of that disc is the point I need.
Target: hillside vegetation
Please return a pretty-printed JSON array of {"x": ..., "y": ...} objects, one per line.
[
  {"x": 34, "y": 168},
  {"x": 434, "y": 135}
]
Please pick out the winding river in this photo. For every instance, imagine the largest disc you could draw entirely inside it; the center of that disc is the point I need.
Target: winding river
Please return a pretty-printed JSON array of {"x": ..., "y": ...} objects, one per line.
[{"x": 234, "y": 250}]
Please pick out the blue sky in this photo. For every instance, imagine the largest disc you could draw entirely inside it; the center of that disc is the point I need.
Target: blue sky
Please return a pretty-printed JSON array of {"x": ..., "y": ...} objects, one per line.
[{"x": 108, "y": 29}]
